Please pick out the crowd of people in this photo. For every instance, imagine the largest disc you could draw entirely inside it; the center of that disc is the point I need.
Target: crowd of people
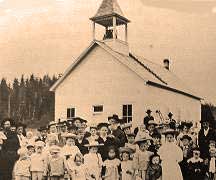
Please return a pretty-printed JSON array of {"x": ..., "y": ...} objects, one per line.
[{"x": 113, "y": 150}]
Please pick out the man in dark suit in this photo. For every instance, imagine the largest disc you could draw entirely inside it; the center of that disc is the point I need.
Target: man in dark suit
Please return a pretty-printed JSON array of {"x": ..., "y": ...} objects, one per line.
[
  {"x": 116, "y": 131},
  {"x": 148, "y": 118},
  {"x": 205, "y": 135},
  {"x": 43, "y": 134},
  {"x": 8, "y": 153}
]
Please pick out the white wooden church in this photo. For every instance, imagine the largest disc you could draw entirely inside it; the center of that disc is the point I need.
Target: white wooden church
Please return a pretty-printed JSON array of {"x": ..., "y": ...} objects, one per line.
[{"x": 107, "y": 78}]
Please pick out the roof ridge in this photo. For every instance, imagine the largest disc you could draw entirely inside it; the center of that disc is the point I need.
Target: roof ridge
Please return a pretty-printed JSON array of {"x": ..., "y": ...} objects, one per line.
[{"x": 147, "y": 68}]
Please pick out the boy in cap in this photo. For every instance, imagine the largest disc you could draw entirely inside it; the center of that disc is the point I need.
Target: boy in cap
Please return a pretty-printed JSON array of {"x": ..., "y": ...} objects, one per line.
[
  {"x": 38, "y": 161},
  {"x": 31, "y": 149},
  {"x": 22, "y": 166},
  {"x": 55, "y": 167}
]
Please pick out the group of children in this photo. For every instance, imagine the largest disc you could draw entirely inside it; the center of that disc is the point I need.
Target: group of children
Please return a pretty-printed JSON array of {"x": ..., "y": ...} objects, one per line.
[{"x": 75, "y": 151}]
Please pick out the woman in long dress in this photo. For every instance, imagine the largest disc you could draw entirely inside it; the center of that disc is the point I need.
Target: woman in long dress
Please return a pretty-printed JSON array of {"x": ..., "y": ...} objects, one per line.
[{"x": 170, "y": 155}]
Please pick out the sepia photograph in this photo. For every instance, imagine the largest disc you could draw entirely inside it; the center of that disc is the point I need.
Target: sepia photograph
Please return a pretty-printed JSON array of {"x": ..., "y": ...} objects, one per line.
[{"x": 107, "y": 90}]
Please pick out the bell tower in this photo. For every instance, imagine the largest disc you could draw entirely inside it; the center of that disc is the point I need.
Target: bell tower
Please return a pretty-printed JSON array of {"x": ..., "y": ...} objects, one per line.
[{"x": 110, "y": 16}]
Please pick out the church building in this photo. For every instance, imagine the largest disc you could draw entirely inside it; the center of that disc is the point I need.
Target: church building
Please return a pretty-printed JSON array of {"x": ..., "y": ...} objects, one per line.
[{"x": 108, "y": 79}]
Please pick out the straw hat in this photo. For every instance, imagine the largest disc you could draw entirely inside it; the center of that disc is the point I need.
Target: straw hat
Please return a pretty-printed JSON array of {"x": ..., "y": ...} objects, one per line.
[
  {"x": 39, "y": 144},
  {"x": 100, "y": 125},
  {"x": 169, "y": 131},
  {"x": 69, "y": 135},
  {"x": 152, "y": 122},
  {"x": 52, "y": 123},
  {"x": 126, "y": 149},
  {"x": 55, "y": 148},
  {"x": 186, "y": 137},
  {"x": 143, "y": 139},
  {"x": 93, "y": 144},
  {"x": 126, "y": 125}
]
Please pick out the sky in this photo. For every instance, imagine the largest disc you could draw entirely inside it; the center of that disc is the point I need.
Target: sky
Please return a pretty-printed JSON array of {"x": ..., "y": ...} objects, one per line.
[{"x": 45, "y": 36}]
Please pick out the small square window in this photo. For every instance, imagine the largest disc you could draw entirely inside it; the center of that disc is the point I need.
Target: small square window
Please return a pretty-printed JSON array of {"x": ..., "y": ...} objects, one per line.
[{"x": 98, "y": 108}]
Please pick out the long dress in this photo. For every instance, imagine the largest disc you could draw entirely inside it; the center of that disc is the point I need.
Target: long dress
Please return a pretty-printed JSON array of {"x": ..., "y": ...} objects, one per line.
[
  {"x": 127, "y": 170},
  {"x": 95, "y": 163},
  {"x": 112, "y": 169},
  {"x": 171, "y": 155}
]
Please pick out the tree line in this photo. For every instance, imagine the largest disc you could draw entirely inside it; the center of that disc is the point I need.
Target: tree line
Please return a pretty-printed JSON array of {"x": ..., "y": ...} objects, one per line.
[{"x": 28, "y": 100}]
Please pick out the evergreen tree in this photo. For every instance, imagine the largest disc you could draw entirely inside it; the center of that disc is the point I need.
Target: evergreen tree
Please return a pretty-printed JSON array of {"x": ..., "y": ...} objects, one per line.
[{"x": 28, "y": 100}]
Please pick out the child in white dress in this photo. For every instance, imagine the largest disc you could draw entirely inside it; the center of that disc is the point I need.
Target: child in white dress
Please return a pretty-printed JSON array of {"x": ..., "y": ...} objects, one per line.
[
  {"x": 142, "y": 157},
  {"x": 111, "y": 166},
  {"x": 126, "y": 163},
  {"x": 94, "y": 161},
  {"x": 171, "y": 155},
  {"x": 76, "y": 167},
  {"x": 69, "y": 147}
]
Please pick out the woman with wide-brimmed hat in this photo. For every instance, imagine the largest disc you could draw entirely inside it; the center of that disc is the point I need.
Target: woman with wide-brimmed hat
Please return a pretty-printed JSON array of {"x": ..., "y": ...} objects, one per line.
[
  {"x": 184, "y": 130},
  {"x": 171, "y": 155}
]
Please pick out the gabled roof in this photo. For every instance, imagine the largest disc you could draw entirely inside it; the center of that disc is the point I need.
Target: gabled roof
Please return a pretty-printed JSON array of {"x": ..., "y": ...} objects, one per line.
[{"x": 151, "y": 73}]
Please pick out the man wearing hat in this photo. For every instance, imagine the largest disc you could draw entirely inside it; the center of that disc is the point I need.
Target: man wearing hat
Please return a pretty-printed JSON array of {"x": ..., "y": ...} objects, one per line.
[
  {"x": 8, "y": 154},
  {"x": 52, "y": 131},
  {"x": 42, "y": 134},
  {"x": 79, "y": 122},
  {"x": 116, "y": 132},
  {"x": 187, "y": 153},
  {"x": 126, "y": 127},
  {"x": 62, "y": 132},
  {"x": 205, "y": 135},
  {"x": 151, "y": 127},
  {"x": 104, "y": 138},
  {"x": 172, "y": 122},
  {"x": 20, "y": 133},
  {"x": 148, "y": 117}
]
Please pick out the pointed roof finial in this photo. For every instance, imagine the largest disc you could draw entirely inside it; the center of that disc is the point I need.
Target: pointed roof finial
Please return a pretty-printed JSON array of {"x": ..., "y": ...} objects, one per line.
[{"x": 108, "y": 9}]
